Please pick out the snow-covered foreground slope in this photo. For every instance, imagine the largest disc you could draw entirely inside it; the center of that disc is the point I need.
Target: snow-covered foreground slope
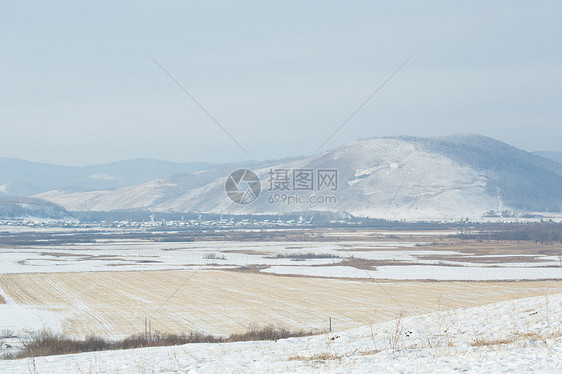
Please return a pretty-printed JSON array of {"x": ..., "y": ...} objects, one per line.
[
  {"x": 444, "y": 178},
  {"x": 524, "y": 335}
]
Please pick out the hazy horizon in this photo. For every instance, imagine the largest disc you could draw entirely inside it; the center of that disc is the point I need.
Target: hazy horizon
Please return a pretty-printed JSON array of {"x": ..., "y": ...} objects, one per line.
[
  {"x": 220, "y": 162},
  {"x": 80, "y": 88}
]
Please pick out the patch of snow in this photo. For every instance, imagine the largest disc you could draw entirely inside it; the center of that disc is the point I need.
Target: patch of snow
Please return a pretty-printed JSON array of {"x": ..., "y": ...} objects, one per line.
[
  {"x": 423, "y": 272},
  {"x": 21, "y": 319},
  {"x": 102, "y": 176}
]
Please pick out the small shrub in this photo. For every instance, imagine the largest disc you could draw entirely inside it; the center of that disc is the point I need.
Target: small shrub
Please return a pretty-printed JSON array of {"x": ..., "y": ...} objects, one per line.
[
  {"x": 166, "y": 339},
  {"x": 267, "y": 333},
  {"x": 6, "y": 333},
  {"x": 47, "y": 343},
  {"x": 213, "y": 256}
]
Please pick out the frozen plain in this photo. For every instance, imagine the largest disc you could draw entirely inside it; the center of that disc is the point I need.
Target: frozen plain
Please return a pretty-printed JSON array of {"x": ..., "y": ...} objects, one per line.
[{"x": 535, "y": 344}]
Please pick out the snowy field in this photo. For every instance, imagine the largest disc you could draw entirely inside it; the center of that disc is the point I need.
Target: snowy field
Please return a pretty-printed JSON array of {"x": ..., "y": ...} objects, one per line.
[
  {"x": 115, "y": 304},
  {"x": 363, "y": 280},
  {"x": 524, "y": 335},
  {"x": 378, "y": 259}
]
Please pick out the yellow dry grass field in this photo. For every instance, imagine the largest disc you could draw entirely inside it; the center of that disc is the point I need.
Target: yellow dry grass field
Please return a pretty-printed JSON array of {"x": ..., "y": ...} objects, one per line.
[{"x": 224, "y": 302}]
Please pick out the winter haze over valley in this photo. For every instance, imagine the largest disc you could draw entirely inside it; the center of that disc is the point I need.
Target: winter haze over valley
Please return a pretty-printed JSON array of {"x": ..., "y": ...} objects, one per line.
[{"x": 280, "y": 187}]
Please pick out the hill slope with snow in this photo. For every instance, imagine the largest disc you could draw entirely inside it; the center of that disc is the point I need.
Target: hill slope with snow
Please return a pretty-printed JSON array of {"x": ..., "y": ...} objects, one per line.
[
  {"x": 523, "y": 335},
  {"x": 31, "y": 208},
  {"x": 441, "y": 178}
]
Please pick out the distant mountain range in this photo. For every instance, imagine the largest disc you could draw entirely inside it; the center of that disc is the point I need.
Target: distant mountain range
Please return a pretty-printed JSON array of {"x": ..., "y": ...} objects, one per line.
[
  {"x": 404, "y": 178},
  {"x": 554, "y": 156},
  {"x": 25, "y": 178}
]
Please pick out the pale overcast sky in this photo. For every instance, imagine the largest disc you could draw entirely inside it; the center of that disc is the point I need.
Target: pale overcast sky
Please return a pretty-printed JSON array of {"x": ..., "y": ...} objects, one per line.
[{"x": 77, "y": 86}]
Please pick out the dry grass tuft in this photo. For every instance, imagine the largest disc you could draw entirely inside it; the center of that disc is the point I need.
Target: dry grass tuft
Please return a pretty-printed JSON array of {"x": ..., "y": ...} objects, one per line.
[
  {"x": 317, "y": 357},
  {"x": 482, "y": 342},
  {"x": 394, "y": 338}
]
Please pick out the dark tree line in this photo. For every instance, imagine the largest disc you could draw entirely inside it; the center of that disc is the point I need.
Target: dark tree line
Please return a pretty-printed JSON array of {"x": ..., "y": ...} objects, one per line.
[{"x": 540, "y": 232}]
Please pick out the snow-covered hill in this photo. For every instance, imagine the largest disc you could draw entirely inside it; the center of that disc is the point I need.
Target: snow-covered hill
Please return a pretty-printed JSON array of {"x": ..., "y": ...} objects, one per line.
[
  {"x": 31, "y": 208},
  {"x": 517, "y": 336},
  {"x": 442, "y": 178}
]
